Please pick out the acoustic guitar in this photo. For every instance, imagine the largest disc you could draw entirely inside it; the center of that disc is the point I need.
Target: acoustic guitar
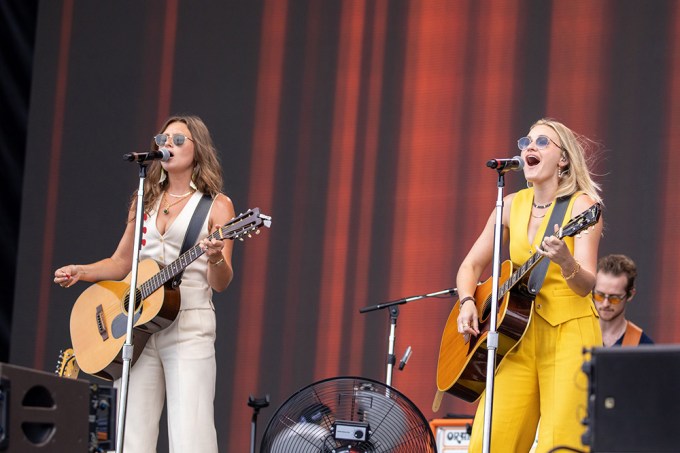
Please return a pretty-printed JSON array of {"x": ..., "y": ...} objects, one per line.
[
  {"x": 461, "y": 367},
  {"x": 99, "y": 316}
]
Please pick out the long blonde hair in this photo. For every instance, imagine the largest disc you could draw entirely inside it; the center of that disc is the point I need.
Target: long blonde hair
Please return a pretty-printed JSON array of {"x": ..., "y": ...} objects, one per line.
[
  {"x": 207, "y": 175},
  {"x": 577, "y": 176}
]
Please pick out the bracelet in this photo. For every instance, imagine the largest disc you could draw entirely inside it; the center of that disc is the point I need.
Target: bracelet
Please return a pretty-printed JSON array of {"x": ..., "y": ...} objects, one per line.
[
  {"x": 573, "y": 274},
  {"x": 465, "y": 299},
  {"x": 216, "y": 263}
]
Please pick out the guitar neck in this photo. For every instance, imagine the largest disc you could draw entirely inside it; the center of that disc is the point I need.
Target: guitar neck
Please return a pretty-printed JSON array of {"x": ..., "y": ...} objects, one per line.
[
  {"x": 236, "y": 228},
  {"x": 171, "y": 270},
  {"x": 519, "y": 274}
]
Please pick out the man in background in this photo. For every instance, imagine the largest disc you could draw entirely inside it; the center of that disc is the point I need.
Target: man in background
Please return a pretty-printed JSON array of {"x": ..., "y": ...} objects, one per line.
[{"x": 614, "y": 290}]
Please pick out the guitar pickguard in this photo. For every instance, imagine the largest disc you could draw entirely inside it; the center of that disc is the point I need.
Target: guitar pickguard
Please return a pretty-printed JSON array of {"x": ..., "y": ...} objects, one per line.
[{"x": 119, "y": 324}]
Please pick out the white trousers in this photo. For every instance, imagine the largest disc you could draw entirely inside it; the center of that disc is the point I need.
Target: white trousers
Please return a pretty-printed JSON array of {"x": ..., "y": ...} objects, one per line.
[{"x": 177, "y": 362}]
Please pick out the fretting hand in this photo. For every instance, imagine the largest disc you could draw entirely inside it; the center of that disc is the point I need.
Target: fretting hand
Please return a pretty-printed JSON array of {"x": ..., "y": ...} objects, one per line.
[{"x": 213, "y": 248}]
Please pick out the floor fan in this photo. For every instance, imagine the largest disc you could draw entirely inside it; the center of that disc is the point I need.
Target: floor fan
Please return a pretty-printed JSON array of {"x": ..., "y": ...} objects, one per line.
[{"x": 348, "y": 415}]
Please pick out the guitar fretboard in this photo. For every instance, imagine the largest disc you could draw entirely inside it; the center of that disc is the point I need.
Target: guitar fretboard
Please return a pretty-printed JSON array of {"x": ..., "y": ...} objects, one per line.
[
  {"x": 579, "y": 223},
  {"x": 171, "y": 270},
  {"x": 519, "y": 274},
  {"x": 243, "y": 224}
]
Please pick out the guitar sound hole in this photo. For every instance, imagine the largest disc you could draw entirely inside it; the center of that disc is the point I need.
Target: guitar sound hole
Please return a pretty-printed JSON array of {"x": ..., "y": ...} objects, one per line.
[
  {"x": 486, "y": 310},
  {"x": 138, "y": 301}
]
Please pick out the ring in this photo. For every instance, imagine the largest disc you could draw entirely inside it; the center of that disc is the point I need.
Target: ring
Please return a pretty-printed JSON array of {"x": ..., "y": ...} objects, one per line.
[{"x": 466, "y": 325}]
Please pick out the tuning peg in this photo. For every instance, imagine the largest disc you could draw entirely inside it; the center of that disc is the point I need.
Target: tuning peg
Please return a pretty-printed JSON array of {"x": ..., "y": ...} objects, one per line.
[
  {"x": 240, "y": 238},
  {"x": 257, "y": 231}
]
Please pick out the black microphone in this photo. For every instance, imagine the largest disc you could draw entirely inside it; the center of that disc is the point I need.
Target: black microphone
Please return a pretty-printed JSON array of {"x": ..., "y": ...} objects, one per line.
[
  {"x": 503, "y": 165},
  {"x": 162, "y": 154}
]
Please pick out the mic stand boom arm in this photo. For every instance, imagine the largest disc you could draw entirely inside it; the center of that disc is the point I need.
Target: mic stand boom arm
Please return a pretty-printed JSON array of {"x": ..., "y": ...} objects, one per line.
[{"x": 394, "y": 314}]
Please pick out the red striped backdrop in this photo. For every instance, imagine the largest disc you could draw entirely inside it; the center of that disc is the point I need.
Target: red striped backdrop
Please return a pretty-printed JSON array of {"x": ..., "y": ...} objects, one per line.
[{"x": 362, "y": 127}]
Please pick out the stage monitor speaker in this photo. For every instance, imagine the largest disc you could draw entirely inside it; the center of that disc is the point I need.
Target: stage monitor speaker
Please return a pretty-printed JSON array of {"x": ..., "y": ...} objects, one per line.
[
  {"x": 42, "y": 412},
  {"x": 451, "y": 434},
  {"x": 633, "y": 399}
]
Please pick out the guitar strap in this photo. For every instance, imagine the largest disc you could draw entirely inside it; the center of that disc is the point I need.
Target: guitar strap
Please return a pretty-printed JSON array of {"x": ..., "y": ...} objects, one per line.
[
  {"x": 195, "y": 225},
  {"x": 632, "y": 335},
  {"x": 557, "y": 217}
]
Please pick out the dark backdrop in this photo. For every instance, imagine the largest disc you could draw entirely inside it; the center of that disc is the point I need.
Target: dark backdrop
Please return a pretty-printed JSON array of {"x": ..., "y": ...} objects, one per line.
[{"x": 362, "y": 127}]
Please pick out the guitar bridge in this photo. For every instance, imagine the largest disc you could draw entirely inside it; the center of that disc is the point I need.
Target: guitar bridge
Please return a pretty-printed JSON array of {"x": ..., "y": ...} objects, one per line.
[{"x": 101, "y": 325}]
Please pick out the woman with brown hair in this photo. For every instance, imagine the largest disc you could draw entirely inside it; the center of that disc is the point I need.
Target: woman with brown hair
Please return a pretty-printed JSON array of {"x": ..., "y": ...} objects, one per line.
[{"x": 179, "y": 361}]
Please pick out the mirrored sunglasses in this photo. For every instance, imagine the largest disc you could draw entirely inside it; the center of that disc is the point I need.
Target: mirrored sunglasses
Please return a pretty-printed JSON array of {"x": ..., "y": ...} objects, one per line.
[
  {"x": 177, "y": 139},
  {"x": 542, "y": 142},
  {"x": 614, "y": 299}
]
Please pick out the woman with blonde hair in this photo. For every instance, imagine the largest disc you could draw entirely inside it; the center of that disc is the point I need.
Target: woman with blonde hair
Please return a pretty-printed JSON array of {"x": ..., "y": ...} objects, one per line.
[{"x": 541, "y": 377}]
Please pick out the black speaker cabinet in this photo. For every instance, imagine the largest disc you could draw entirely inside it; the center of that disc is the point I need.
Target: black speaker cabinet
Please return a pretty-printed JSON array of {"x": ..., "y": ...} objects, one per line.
[
  {"x": 42, "y": 412},
  {"x": 633, "y": 399}
]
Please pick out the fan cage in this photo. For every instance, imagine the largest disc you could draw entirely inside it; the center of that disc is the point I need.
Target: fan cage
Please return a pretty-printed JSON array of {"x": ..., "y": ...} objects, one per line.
[{"x": 348, "y": 414}]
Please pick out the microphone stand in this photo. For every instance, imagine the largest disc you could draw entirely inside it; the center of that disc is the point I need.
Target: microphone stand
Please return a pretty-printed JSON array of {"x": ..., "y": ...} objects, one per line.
[
  {"x": 492, "y": 336},
  {"x": 128, "y": 347},
  {"x": 256, "y": 404},
  {"x": 394, "y": 314}
]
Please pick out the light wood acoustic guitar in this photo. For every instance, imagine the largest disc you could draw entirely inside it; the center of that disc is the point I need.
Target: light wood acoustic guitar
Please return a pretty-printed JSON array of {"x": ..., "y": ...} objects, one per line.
[
  {"x": 99, "y": 316},
  {"x": 461, "y": 367}
]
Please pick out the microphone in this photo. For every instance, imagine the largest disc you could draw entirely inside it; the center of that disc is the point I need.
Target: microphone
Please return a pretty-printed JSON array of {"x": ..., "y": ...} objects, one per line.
[
  {"x": 407, "y": 355},
  {"x": 162, "y": 154},
  {"x": 504, "y": 165}
]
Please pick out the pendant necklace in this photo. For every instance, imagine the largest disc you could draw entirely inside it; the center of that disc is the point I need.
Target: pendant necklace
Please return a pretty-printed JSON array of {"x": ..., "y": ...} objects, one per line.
[{"x": 166, "y": 209}]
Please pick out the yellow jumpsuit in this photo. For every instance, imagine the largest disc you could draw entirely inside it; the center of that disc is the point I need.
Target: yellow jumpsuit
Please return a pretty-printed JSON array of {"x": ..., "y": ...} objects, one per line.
[{"x": 542, "y": 378}]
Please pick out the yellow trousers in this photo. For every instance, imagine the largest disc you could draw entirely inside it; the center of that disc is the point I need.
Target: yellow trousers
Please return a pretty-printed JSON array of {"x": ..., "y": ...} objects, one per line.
[{"x": 541, "y": 379}]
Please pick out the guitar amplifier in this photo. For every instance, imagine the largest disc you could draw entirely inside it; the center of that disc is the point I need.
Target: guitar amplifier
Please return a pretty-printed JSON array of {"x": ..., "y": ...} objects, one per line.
[
  {"x": 633, "y": 399},
  {"x": 451, "y": 434},
  {"x": 40, "y": 411}
]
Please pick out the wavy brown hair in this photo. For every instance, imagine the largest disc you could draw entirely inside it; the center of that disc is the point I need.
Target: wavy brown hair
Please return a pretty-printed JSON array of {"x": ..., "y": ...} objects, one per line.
[{"x": 207, "y": 174}]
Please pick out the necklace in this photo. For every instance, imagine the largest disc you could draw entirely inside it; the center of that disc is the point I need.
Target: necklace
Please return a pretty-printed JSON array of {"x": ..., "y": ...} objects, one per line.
[
  {"x": 541, "y": 206},
  {"x": 532, "y": 215},
  {"x": 166, "y": 209},
  {"x": 180, "y": 196}
]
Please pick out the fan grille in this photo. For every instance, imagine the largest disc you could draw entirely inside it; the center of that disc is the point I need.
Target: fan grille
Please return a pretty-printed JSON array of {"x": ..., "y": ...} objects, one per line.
[{"x": 347, "y": 414}]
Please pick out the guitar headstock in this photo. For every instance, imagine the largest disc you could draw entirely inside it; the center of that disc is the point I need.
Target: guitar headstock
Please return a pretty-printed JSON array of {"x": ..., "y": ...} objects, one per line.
[
  {"x": 66, "y": 364},
  {"x": 244, "y": 225},
  {"x": 581, "y": 222}
]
